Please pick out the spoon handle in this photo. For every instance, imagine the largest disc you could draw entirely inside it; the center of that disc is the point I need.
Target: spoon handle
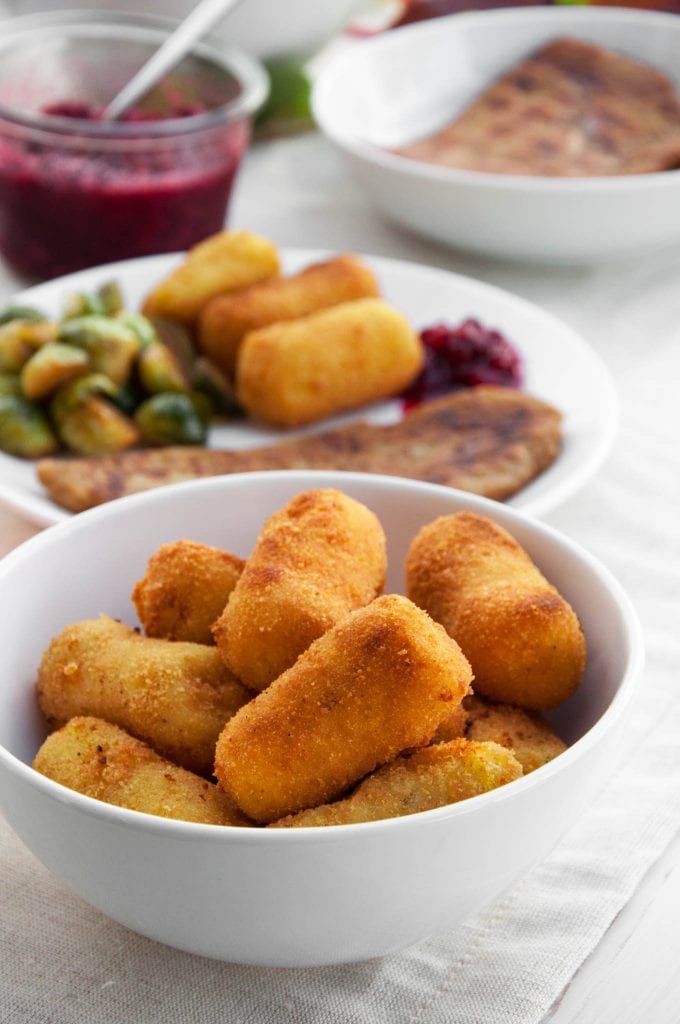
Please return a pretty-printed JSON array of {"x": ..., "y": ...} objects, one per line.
[{"x": 204, "y": 16}]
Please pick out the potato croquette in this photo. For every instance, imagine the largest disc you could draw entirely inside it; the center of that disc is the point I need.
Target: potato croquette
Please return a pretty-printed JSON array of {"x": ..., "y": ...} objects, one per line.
[
  {"x": 522, "y": 638},
  {"x": 529, "y": 736},
  {"x": 174, "y": 695},
  {"x": 454, "y": 725},
  {"x": 434, "y": 777},
  {"x": 100, "y": 760},
  {"x": 226, "y": 319},
  {"x": 378, "y": 683},
  {"x": 184, "y": 590},
  {"x": 298, "y": 372},
  {"x": 225, "y": 262},
  {"x": 315, "y": 560}
]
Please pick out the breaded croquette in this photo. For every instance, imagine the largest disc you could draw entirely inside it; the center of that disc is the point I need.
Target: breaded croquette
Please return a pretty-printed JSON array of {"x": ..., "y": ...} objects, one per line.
[
  {"x": 184, "y": 590},
  {"x": 454, "y": 725},
  {"x": 429, "y": 778},
  {"x": 225, "y": 262},
  {"x": 315, "y": 560},
  {"x": 227, "y": 318},
  {"x": 101, "y": 760},
  {"x": 174, "y": 695},
  {"x": 290, "y": 374},
  {"x": 375, "y": 685},
  {"x": 522, "y": 638},
  {"x": 527, "y": 733}
]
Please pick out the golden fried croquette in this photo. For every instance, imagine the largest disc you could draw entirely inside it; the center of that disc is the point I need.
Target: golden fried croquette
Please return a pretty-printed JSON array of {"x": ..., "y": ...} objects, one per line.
[
  {"x": 184, "y": 590},
  {"x": 298, "y": 372},
  {"x": 522, "y": 638},
  {"x": 429, "y": 778},
  {"x": 174, "y": 695},
  {"x": 454, "y": 725},
  {"x": 527, "y": 733},
  {"x": 227, "y": 261},
  {"x": 103, "y": 761},
  {"x": 227, "y": 318},
  {"x": 315, "y": 560},
  {"x": 378, "y": 683}
]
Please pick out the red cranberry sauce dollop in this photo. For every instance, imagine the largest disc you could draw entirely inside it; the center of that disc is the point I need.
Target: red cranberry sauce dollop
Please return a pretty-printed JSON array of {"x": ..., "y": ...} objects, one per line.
[{"x": 463, "y": 356}]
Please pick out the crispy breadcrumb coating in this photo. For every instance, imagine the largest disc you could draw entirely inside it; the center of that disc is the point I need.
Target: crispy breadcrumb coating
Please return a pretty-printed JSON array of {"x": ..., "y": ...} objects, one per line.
[
  {"x": 522, "y": 638},
  {"x": 174, "y": 695},
  {"x": 528, "y": 734},
  {"x": 378, "y": 683},
  {"x": 315, "y": 561},
  {"x": 227, "y": 318},
  {"x": 102, "y": 761},
  {"x": 434, "y": 777},
  {"x": 184, "y": 590}
]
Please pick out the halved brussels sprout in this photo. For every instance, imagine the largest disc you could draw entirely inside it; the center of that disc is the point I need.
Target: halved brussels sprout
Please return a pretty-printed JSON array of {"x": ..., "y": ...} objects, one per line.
[
  {"x": 171, "y": 418},
  {"x": 178, "y": 339},
  {"x": 21, "y": 313},
  {"x": 96, "y": 427},
  {"x": 110, "y": 298},
  {"x": 159, "y": 370},
  {"x": 111, "y": 346},
  {"x": 24, "y": 428},
  {"x": 19, "y": 339},
  {"x": 207, "y": 378},
  {"x": 78, "y": 304},
  {"x": 69, "y": 397},
  {"x": 139, "y": 325},
  {"x": 51, "y": 366}
]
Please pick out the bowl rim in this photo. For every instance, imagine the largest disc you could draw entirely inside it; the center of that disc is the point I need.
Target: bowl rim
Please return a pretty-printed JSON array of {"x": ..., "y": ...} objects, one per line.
[
  {"x": 339, "y": 70},
  {"x": 191, "y": 831},
  {"x": 249, "y": 73}
]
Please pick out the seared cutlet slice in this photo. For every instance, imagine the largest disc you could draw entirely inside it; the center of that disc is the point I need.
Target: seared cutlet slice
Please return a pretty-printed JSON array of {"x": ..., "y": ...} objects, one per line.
[
  {"x": 571, "y": 109},
  {"x": 487, "y": 440}
]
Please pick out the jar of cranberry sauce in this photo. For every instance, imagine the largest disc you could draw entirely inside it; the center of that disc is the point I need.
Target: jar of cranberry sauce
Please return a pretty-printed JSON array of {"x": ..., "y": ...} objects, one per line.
[{"x": 76, "y": 190}]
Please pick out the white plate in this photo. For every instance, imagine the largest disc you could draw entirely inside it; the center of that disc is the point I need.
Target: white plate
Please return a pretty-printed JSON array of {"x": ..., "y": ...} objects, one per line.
[
  {"x": 365, "y": 102},
  {"x": 560, "y": 368}
]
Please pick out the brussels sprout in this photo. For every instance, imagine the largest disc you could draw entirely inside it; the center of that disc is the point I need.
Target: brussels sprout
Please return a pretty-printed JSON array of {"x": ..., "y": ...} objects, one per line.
[
  {"x": 19, "y": 339},
  {"x": 207, "y": 378},
  {"x": 21, "y": 313},
  {"x": 79, "y": 304},
  {"x": 110, "y": 298},
  {"x": 69, "y": 397},
  {"x": 159, "y": 370},
  {"x": 96, "y": 427},
  {"x": 140, "y": 325},
  {"x": 170, "y": 418},
  {"x": 111, "y": 346},
  {"x": 10, "y": 384},
  {"x": 24, "y": 428},
  {"x": 51, "y": 366}
]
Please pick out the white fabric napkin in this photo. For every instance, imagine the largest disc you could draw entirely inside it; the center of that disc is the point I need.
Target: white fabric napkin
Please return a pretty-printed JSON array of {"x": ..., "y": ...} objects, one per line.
[{"x": 61, "y": 961}]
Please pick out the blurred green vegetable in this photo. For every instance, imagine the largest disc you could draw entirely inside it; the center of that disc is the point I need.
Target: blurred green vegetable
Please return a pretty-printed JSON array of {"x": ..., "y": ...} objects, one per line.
[
  {"x": 24, "y": 428},
  {"x": 51, "y": 366},
  {"x": 288, "y": 107},
  {"x": 111, "y": 345},
  {"x": 170, "y": 418}
]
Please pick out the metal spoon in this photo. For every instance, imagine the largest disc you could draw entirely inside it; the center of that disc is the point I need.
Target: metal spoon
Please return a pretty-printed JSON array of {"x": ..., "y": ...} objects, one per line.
[{"x": 204, "y": 16}]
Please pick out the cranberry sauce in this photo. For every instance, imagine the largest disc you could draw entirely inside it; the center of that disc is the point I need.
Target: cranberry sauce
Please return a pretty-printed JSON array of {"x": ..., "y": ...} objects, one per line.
[
  {"x": 66, "y": 207},
  {"x": 460, "y": 357}
]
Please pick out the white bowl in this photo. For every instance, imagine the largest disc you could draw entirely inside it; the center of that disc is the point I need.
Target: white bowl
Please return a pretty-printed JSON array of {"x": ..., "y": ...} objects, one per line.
[
  {"x": 390, "y": 90},
  {"x": 302, "y": 896},
  {"x": 286, "y": 28}
]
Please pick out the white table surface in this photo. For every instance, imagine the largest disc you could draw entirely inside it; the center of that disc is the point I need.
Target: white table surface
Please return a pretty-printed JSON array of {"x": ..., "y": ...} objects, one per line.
[{"x": 296, "y": 192}]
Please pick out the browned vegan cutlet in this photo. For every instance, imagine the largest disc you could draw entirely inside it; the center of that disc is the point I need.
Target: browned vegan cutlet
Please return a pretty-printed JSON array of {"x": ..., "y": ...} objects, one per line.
[
  {"x": 486, "y": 440},
  {"x": 571, "y": 109}
]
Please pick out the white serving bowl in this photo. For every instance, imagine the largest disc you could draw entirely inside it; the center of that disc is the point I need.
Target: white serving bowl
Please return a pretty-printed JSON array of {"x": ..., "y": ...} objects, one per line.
[
  {"x": 295, "y": 897},
  {"x": 285, "y": 28},
  {"x": 390, "y": 90}
]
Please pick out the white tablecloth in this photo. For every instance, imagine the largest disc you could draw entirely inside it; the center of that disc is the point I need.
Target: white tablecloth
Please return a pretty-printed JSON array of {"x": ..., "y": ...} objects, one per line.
[{"x": 62, "y": 962}]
